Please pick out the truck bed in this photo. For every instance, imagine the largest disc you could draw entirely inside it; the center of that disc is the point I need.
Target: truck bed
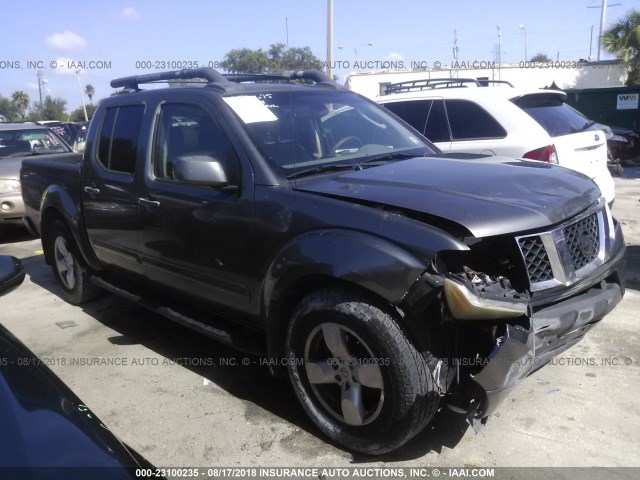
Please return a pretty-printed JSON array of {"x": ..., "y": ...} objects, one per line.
[{"x": 40, "y": 173}]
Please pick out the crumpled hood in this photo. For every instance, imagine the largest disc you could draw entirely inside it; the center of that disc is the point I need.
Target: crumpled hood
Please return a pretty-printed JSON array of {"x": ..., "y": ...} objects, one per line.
[{"x": 488, "y": 196}]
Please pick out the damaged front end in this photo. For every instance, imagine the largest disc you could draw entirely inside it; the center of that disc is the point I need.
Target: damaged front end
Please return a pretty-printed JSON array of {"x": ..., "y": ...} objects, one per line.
[
  {"x": 492, "y": 357},
  {"x": 485, "y": 329},
  {"x": 481, "y": 340}
]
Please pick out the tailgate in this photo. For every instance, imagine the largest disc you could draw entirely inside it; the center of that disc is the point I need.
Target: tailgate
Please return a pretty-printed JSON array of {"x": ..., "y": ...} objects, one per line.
[{"x": 585, "y": 152}]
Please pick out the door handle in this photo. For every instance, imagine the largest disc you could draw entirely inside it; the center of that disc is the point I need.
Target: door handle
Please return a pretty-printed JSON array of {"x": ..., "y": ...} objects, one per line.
[
  {"x": 148, "y": 203},
  {"x": 92, "y": 190}
]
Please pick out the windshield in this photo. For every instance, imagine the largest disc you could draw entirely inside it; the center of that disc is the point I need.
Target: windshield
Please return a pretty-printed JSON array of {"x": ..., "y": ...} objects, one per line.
[
  {"x": 555, "y": 116},
  {"x": 21, "y": 143},
  {"x": 301, "y": 130}
]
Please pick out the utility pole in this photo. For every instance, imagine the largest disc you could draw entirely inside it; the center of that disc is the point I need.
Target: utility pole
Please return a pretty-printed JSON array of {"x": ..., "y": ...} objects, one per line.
[
  {"x": 41, "y": 80},
  {"x": 524, "y": 29},
  {"x": 455, "y": 45},
  {"x": 84, "y": 107},
  {"x": 39, "y": 75},
  {"x": 603, "y": 16},
  {"x": 499, "y": 52},
  {"x": 330, "y": 38},
  {"x": 286, "y": 27}
]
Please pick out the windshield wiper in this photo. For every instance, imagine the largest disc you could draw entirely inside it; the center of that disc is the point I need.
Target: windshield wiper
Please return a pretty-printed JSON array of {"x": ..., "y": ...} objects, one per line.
[
  {"x": 587, "y": 125},
  {"x": 321, "y": 169}
]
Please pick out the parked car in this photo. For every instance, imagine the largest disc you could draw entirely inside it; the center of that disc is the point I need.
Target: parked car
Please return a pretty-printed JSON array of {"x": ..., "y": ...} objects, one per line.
[
  {"x": 624, "y": 143},
  {"x": 18, "y": 141},
  {"x": 463, "y": 115},
  {"x": 305, "y": 223},
  {"x": 47, "y": 431},
  {"x": 80, "y": 138}
]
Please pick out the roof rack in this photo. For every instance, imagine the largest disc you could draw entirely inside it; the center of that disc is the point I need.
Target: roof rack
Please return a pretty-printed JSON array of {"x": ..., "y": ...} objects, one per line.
[
  {"x": 225, "y": 83},
  {"x": 316, "y": 76},
  {"x": 431, "y": 83}
]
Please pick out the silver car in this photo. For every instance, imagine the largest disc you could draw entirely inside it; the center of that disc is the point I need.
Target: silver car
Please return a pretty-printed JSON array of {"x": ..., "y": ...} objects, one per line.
[{"x": 17, "y": 142}]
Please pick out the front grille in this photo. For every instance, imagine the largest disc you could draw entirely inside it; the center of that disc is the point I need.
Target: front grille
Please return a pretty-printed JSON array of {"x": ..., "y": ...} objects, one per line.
[
  {"x": 567, "y": 253},
  {"x": 536, "y": 259},
  {"x": 583, "y": 240}
]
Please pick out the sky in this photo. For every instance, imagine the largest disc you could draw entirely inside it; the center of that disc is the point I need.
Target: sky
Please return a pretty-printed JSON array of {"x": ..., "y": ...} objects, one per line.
[{"x": 121, "y": 38}]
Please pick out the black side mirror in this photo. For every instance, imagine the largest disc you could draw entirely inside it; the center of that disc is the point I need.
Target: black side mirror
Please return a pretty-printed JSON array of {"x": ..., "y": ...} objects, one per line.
[
  {"x": 202, "y": 170},
  {"x": 11, "y": 273}
]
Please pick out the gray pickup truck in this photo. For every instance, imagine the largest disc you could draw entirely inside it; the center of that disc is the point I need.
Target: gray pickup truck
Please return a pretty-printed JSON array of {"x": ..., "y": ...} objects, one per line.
[{"x": 289, "y": 217}]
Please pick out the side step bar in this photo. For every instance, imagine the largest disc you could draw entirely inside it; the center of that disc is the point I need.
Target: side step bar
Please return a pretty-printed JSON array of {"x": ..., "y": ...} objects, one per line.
[{"x": 238, "y": 340}]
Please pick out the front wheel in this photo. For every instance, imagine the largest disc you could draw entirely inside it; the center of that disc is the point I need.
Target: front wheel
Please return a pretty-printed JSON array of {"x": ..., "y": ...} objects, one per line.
[
  {"x": 68, "y": 267},
  {"x": 358, "y": 377}
]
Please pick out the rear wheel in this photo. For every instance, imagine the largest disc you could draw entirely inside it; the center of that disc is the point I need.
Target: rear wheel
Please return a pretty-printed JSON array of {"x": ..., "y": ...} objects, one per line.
[
  {"x": 357, "y": 375},
  {"x": 68, "y": 267}
]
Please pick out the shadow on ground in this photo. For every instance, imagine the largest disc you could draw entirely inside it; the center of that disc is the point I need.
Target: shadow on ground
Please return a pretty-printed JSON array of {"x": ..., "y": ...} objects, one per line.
[
  {"x": 251, "y": 383},
  {"x": 14, "y": 234},
  {"x": 632, "y": 272}
]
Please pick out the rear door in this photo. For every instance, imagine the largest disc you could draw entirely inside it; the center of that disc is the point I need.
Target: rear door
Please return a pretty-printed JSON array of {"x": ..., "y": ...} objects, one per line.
[
  {"x": 579, "y": 144},
  {"x": 109, "y": 194},
  {"x": 473, "y": 129},
  {"x": 428, "y": 116}
]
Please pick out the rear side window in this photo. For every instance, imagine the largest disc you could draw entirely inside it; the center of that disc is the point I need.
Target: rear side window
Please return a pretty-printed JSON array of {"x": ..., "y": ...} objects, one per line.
[
  {"x": 119, "y": 138},
  {"x": 556, "y": 117},
  {"x": 469, "y": 121},
  {"x": 437, "y": 129},
  {"x": 104, "y": 145},
  {"x": 413, "y": 112}
]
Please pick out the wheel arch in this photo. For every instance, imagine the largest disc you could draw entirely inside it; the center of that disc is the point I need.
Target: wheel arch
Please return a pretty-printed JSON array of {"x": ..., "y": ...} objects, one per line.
[
  {"x": 57, "y": 204},
  {"x": 370, "y": 266}
]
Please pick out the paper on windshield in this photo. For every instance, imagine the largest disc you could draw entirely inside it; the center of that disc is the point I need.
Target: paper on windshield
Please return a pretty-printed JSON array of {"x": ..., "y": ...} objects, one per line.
[{"x": 250, "y": 109}]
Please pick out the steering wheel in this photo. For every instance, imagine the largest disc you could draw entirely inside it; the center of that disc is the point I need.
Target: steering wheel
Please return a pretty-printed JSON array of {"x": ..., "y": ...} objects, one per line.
[{"x": 345, "y": 140}]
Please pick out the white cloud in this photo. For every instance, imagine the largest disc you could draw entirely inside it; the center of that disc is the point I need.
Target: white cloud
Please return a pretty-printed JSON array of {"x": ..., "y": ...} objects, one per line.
[
  {"x": 66, "y": 67},
  {"x": 395, "y": 56},
  {"x": 130, "y": 13},
  {"x": 66, "y": 41}
]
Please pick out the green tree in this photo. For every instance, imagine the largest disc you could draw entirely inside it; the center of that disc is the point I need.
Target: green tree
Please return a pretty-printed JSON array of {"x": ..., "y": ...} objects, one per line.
[
  {"x": 52, "y": 109},
  {"x": 623, "y": 40},
  {"x": 245, "y": 60},
  {"x": 21, "y": 101},
  {"x": 540, "y": 57},
  {"x": 90, "y": 92},
  {"x": 8, "y": 109},
  {"x": 78, "y": 114},
  {"x": 296, "y": 58},
  {"x": 278, "y": 58}
]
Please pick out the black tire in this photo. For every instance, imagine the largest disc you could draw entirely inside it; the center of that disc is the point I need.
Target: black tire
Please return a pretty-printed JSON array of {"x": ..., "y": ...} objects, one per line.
[
  {"x": 68, "y": 266},
  {"x": 371, "y": 409}
]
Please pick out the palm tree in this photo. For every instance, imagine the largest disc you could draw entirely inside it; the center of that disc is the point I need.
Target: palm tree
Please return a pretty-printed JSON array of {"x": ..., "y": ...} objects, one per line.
[
  {"x": 21, "y": 100},
  {"x": 623, "y": 40},
  {"x": 90, "y": 92}
]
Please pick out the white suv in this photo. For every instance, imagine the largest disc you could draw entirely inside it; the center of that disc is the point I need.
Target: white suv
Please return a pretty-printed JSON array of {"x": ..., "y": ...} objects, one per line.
[{"x": 463, "y": 116}]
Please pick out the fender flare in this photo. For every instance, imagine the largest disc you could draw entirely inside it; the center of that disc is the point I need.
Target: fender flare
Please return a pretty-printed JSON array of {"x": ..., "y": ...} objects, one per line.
[
  {"x": 57, "y": 199},
  {"x": 366, "y": 261}
]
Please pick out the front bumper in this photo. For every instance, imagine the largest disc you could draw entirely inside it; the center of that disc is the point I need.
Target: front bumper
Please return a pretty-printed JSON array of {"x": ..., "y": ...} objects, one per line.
[
  {"x": 552, "y": 330},
  {"x": 11, "y": 208}
]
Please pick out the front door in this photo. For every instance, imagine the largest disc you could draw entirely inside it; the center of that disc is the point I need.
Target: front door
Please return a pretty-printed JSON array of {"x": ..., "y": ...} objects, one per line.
[{"x": 196, "y": 239}]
